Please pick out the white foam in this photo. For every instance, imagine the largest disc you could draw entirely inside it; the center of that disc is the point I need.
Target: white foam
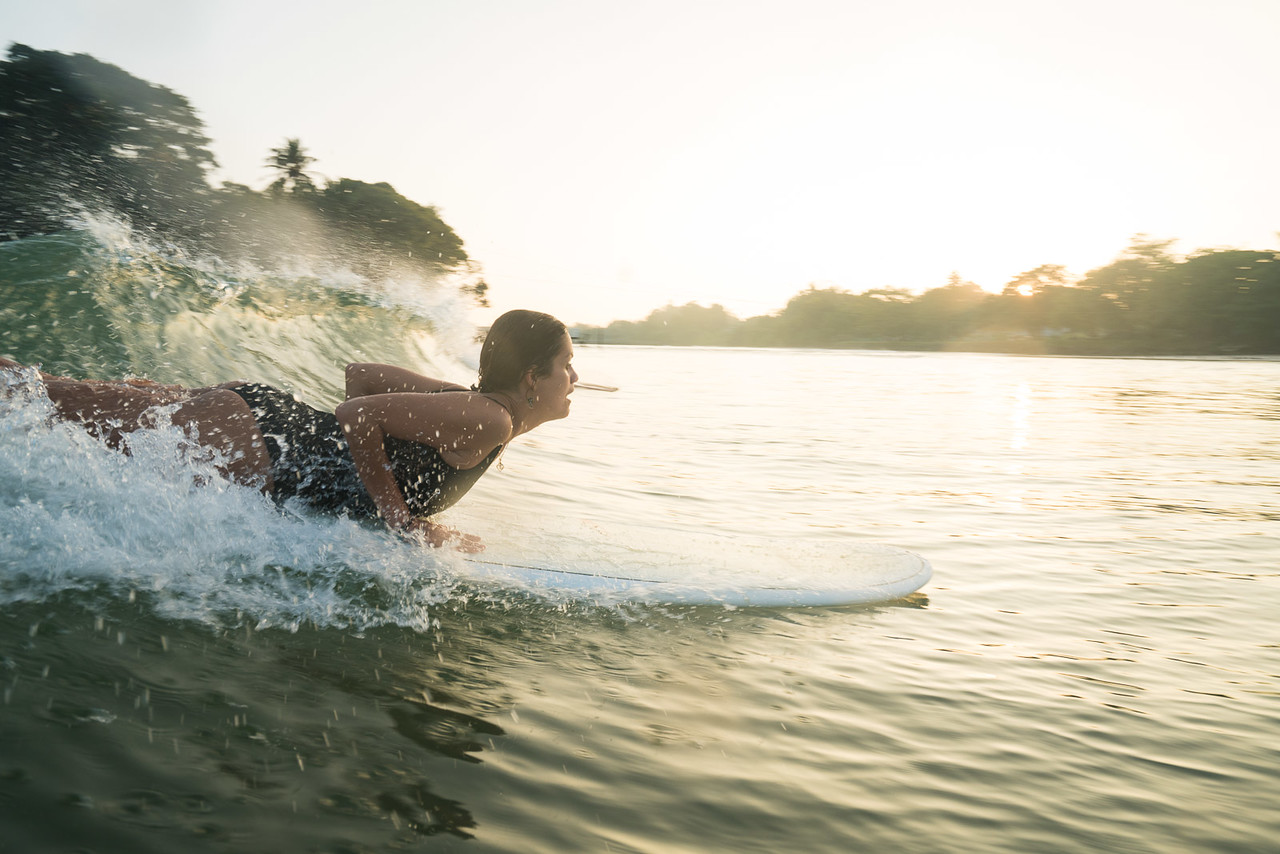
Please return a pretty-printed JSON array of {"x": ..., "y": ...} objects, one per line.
[
  {"x": 436, "y": 297},
  {"x": 78, "y": 516}
]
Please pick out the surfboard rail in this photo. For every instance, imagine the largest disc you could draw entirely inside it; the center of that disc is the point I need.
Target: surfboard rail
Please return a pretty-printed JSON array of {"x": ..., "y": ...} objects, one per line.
[{"x": 886, "y": 574}]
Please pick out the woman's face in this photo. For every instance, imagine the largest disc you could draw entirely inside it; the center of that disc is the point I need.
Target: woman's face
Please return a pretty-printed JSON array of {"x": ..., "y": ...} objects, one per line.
[{"x": 551, "y": 392}]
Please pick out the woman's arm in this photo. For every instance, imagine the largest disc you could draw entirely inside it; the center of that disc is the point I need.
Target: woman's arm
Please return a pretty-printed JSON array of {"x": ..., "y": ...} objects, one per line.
[
  {"x": 463, "y": 427},
  {"x": 365, "y": 378}
]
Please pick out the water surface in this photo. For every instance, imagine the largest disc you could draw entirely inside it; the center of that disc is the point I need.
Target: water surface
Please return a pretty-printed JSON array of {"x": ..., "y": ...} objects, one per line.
[{"x": 1095, "y": 665}]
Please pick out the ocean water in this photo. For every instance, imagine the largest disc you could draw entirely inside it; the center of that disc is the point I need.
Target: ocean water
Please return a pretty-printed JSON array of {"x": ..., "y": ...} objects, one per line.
[{"x": 1095, "y": 665}]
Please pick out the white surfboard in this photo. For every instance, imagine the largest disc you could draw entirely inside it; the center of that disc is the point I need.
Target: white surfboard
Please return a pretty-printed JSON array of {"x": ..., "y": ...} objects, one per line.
[{"x": 863, "y": 574}]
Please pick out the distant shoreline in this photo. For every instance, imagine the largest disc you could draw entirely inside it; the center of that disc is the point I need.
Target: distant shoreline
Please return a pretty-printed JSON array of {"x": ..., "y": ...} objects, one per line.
[{"x": 1170, "y": 357}]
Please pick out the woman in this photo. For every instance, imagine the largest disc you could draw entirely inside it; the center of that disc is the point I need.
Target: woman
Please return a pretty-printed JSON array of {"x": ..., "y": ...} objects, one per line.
[{"x": 400, "y": 447}]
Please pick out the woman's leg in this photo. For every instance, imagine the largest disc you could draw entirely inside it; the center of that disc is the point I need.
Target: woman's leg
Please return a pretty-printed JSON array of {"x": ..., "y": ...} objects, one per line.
[
  {"x": 221, "y": 420},
  {"x": 106, "y": 410},
  {"x": 219, "y": 417},
  {"x": 132, "y": 382}
]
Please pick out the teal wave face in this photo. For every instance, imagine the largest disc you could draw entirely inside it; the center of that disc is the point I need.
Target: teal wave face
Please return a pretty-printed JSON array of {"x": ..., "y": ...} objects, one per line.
[
  {"x": 50, "y": 313},
  {"x": 97, "y": 302}
]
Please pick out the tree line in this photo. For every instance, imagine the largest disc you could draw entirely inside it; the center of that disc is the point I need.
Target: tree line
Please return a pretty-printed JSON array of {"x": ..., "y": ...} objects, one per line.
[
  {"x": 79, "y": 135},
  {"x": 1146, "y": 302},
  {"x": 82, "y": 136}
]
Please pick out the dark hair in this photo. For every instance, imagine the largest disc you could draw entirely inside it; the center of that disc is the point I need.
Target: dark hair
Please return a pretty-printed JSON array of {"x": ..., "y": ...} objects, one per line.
[{"x": 518, "y": 341}]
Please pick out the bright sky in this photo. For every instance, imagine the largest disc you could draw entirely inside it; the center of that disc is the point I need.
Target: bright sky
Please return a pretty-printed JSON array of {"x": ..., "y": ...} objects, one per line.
[{"x": 602, "y": 158}]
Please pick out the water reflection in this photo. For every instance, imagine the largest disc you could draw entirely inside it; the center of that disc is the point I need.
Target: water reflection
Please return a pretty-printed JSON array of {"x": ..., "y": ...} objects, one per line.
[
  {"x": 228, "y": 736},
  {"x": 1020, "y": 417}
]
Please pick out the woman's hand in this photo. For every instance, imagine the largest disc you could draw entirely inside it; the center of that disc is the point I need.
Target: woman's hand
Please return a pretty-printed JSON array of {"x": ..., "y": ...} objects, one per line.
[{"x": 439, "y": 536}]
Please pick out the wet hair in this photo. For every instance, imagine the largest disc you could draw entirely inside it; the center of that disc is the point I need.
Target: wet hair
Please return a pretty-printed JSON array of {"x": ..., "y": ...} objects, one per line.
[{"x": 519, "y": 341}]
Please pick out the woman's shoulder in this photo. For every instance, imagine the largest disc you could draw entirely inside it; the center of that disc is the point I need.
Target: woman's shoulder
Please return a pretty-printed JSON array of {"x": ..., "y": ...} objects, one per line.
[
  {"x": 493, "y": 412},
  {"x": 471, "y": 409}
]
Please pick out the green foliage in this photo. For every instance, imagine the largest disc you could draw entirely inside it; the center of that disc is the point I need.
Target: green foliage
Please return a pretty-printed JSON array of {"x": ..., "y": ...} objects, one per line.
[
  {"x": 1221, "y": 301},
  {"x": 950, "y": 311},
  {"x": 1146, "y": 302},
  {"x": 291, "y": 161},
  {"x": 685, "y": 324},
  {"x": 81, "y": 131},
  {"x": 819, "y": 317},
  {"x": 270, "y": 229},
  {"x": 375, "y": 218},
  {"x": 78, "y": 135},
  {"x": 367, "y": 228}
]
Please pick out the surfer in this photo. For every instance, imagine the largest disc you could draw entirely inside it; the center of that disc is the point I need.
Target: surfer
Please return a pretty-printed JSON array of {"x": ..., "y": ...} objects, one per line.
[{"x": 400, "y": 447}]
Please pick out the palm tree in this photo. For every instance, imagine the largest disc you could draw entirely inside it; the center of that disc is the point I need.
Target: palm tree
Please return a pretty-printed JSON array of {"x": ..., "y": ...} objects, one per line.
[{"x": 291, "y": 161}]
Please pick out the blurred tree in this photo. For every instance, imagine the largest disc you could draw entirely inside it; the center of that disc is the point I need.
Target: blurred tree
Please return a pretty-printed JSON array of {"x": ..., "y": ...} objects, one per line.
[
  {"x": 1127, "y": 289},
  {"x": 1026, "y": 301},
  {"x": 1034, "y": 281},
  {"x": 689, "y": 324},
  {"x": 384, "y": 231},
  {"x": 760, "y": 331},
  {"x": 696, "y": 324},
  {"x": 1129, "y": 279},
  {"x": 78, "y": 133},
  {"x": 1220, "y": 301},
  {"x": 820, "y": 317},
  {"x": 291, "y": 161},
  {"x": 949, "y": 312},
  {"x": 478, "y": 290}
]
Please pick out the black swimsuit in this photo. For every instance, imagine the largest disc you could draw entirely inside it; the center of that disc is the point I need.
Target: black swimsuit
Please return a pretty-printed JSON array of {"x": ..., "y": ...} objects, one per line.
[{"x": 310, "y": 460}]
